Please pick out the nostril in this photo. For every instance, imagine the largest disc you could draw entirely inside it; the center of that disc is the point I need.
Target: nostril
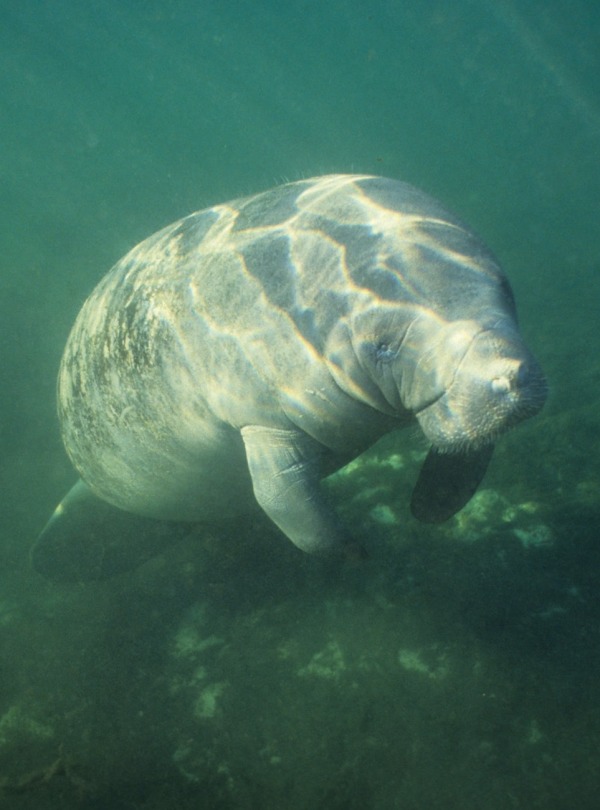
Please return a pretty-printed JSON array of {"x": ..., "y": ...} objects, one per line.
[
  {"x": 516, "y": 378},
  {"x": 501, "y": 385}
]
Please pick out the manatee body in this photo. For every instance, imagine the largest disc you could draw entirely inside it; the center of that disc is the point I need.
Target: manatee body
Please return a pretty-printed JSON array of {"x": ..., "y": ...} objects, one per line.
[{"x": 248, "y": 350}]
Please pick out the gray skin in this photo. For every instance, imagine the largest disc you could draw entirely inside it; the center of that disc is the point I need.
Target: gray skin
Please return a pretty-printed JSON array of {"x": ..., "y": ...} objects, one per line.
[{"x": 248, "y": 350}]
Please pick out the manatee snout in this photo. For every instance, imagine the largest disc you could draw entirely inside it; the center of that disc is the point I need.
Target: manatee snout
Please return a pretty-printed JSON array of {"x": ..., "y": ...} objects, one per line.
[
  {"x": 496, "y": 384},
  {"x": 522, "y": 384}
]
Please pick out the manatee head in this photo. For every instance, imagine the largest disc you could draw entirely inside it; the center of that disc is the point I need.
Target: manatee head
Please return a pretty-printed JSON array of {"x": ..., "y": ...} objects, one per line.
[
  {"x": 439, "y": 339},
  {"x": 472, "y": 383},
  {"x": 465, "y": 380}
]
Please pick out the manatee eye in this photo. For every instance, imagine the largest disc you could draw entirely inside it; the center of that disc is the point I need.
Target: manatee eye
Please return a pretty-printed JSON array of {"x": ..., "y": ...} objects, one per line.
[
  {"x": 383, "y": 351},
  {"x": 376, "y": 352}
]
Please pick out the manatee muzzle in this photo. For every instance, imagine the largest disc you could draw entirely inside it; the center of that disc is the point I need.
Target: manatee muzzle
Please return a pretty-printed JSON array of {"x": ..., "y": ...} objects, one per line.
[{"x": 497, "y": 384}]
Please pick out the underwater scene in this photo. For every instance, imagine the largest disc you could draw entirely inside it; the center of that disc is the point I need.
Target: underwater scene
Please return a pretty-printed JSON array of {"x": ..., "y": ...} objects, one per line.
[{"x": 451, "y": 664}]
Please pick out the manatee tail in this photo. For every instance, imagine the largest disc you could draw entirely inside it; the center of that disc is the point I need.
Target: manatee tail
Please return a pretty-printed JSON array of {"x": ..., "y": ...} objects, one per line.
[
  {"x": 447, "y": 482},
  {"x": 87, "y": 539}
]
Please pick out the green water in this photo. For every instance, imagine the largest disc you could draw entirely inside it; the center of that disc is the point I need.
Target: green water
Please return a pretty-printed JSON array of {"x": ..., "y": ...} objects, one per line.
[{"x": 459, "y": 667}]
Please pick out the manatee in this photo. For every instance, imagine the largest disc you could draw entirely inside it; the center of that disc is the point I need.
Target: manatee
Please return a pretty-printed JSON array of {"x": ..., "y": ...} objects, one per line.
[{"x": 245, "y": 352}]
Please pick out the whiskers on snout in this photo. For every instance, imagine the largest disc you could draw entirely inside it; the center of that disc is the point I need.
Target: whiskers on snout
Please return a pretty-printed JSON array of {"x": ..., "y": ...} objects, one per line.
[{"x": 475, "y": 412}]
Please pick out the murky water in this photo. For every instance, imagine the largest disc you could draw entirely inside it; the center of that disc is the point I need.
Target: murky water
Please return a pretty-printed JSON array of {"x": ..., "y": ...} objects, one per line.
[{"x": 458, "y": 666}]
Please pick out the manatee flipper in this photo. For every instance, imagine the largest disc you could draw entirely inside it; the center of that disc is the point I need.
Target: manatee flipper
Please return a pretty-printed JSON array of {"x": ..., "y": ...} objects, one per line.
[
  {"x": 286, "y": 467},
  {"x": 88, "y": 539},
  {"x": 447, "y": 482}
]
